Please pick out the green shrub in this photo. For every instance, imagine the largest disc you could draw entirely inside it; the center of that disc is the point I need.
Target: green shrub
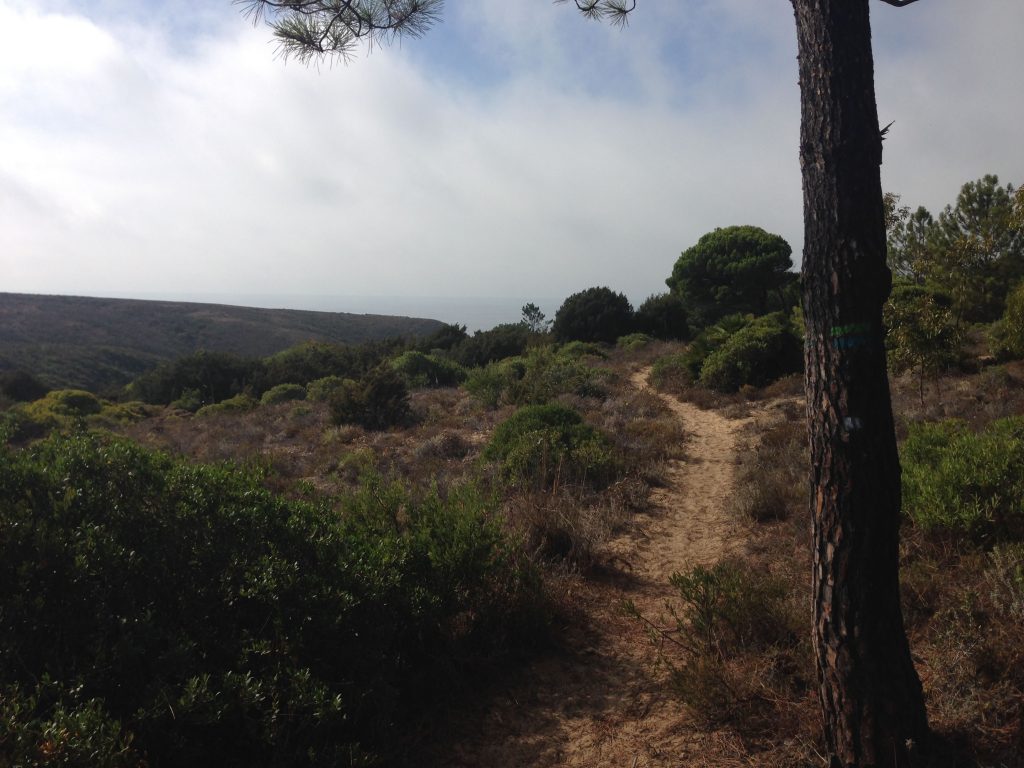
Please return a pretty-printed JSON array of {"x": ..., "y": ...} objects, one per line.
[
  {"x": 549, "y": 374},
  {"x": 1006, "y": 336},
  {"x": 576, "y": 349},
  {"x": 283, "y": 393},
  {"x": 966, "y": 484},
  {"x": 236, "y": 404},
  {"x": 67, "y": 403},
  {"x": 314, "y": 360},
  {"x": 378, "y": 401},
  {"x": 185, "y": 615},
  {"x": 215, "y": 376},
  {"x": 707, "y": 341},
  {"x": 542, "y": 447},
  {"x": 61, "y": 407},
  {"x": 633, "y": 341},
  {"x": 663, "y": 316},
  {"x": 596, "y": 314},
  {"x": 490, "y": 384},
  {"x": 124, "y": 413},
  {"x": 755, "y": 355},
  {"x": 321, "y": 390},
  {"x": 420, "y": 370},
  {"x": 922, "y": 334},
  {"x": 542, "y": 375},
  {"x": 190, "y": 400}
]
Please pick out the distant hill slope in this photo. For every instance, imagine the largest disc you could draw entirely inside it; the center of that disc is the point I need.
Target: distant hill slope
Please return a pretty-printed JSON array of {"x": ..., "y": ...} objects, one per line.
[{"x": 97, "y": 344}]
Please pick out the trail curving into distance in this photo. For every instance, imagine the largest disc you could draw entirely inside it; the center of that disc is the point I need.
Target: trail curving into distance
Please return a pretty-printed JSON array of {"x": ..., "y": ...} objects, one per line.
[{"x": 599, "y": 701}]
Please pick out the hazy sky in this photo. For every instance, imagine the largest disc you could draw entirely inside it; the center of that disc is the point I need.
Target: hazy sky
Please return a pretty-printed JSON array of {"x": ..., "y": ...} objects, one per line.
[{"x": 516, "y": 151}]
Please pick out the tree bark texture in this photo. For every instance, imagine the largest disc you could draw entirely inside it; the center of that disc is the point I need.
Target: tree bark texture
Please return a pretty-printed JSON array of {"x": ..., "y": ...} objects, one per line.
[{"x": 871, "y": 697}]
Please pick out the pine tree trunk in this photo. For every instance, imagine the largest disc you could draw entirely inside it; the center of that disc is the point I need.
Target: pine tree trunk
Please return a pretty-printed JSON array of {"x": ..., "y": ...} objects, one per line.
[{"x": 870, "y": 695}]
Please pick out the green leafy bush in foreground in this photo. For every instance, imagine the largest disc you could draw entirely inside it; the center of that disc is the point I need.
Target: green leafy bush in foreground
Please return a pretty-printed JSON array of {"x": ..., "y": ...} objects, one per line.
[
  {"x": 540, "y": 447},
  {"x": 164, "y": 614},
  {"x": 964, "y": 483}
]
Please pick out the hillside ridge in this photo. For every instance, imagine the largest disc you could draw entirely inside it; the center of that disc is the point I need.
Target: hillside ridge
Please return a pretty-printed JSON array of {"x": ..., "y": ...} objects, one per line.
[{"x": 100, "y": 343}]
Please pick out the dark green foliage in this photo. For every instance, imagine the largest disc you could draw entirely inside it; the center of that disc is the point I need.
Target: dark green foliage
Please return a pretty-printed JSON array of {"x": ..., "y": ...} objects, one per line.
[
  {"x": 757, "y": 354},
  {"x": 21, "y": 387},
  {"x": 978, "y": 249},
  {"x": 909, "y": 238},
  {"x": 1006, "y": 336},
  {"x": 663, "y": 316},
  {"x": 184, "y": 614},
  {"x": 534, "y": 319},
  {"x": 213, "y": 376},
  {"x": 543, "y": 447},
  {"x": 505, "y": 340},
  {"x": 710, "y": 339},
  {"x": 205, "y": 378},
  {"x": 596, "y": 314},
  {"x": 966, "y": 484},
  {"x": 445, "y": 338},
  {"x": 49, "y": 724},
  {"x": 283, "y": 393},
  {"x": 737, "y": 350},
  {"x": 420, "y": 370},
  {"x": 735, "y": 269},
  {"x": 315, "y": 360},
  {"x": 973, "y": 253},
  {"x": 377, "y": 401}
]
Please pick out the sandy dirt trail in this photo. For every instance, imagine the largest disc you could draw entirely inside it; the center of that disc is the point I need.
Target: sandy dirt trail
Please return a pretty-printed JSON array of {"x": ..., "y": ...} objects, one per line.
[{"x": 600, "y": 701}]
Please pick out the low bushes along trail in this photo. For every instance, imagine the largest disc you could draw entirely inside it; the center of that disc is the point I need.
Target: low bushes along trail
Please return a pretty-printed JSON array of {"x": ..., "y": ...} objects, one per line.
[{"x": 599, "y": 701}]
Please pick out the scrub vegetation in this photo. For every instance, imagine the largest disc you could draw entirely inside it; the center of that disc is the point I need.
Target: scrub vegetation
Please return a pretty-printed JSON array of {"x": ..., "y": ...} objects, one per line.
[{"x": 340, "y": 555}]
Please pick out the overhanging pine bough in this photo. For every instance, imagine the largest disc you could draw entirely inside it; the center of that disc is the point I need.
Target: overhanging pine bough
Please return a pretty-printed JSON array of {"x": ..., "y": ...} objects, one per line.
[{"x": 871, "y": 698}]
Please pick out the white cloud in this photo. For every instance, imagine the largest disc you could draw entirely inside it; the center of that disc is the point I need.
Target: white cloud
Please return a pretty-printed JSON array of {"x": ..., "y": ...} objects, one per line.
[
  {"x": 949, "y": 75},
  {"x": 584, "y": 156}
]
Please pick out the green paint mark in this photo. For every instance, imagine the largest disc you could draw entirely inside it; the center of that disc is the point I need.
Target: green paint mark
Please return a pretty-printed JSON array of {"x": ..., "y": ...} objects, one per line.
[{"x": 849, "y": 330}]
